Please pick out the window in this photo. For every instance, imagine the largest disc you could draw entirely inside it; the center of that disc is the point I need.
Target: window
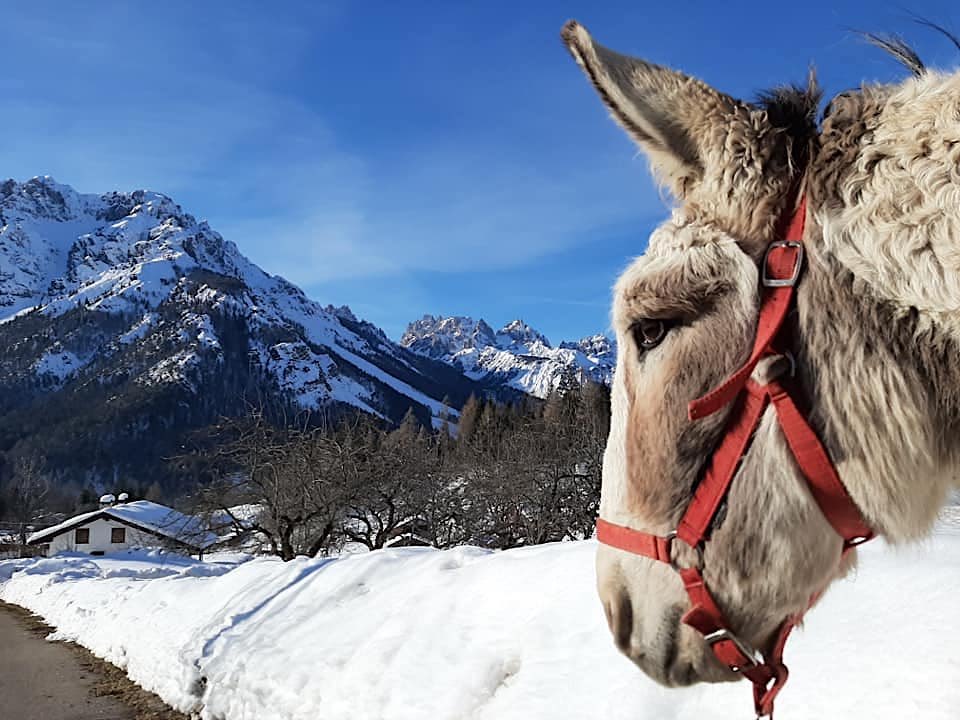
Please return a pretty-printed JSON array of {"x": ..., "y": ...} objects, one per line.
[
  {"x": 118, "y": 535},
  {"x": 82, "y": 536}
]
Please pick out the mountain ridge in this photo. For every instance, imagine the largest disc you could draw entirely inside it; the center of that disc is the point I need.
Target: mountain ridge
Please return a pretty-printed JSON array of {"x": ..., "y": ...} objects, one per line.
[
  {"x": 122, "y": 317},
  {"x": 517, "y": 355}
]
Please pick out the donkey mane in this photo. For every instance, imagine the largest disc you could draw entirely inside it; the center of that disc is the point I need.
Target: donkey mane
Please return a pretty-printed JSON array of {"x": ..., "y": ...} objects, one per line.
[
  {"x": 902, "y": 51},
  {"x": 793, "y": 108}
]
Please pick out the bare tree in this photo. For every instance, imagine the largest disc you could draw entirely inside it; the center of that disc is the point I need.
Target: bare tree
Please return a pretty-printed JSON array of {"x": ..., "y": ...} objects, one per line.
[
  {"x": 388, "y": 483},
  {"x": 532, "y": 472},
  {"x": 27, "y": 491},
  {"x": 289, "y": 475},
  {"x": 514, "y": 475}
]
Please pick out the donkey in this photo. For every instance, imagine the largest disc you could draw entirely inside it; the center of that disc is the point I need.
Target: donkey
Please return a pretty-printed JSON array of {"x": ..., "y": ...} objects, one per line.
[{"x": 869, "y": 350}]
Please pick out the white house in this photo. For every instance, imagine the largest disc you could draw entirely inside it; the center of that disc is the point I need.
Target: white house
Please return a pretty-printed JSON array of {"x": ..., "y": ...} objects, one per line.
[{"x": 120, "y": 526}]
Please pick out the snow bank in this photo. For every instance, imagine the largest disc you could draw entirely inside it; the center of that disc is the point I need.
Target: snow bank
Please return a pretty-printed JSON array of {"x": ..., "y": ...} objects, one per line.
[{"x": 414, "y": 633}]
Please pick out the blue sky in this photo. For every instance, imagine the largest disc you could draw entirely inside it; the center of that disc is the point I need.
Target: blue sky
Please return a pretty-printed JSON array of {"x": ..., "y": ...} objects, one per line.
[{"x": 402, "y": 157}]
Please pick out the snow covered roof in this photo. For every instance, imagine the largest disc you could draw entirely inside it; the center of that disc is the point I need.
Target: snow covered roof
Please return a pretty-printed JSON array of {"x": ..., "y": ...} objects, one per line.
[{"x": 144, "y": 515}]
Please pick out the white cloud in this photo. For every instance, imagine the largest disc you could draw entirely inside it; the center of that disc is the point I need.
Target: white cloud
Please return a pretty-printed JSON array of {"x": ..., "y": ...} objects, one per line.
[
  {"x": 163, "y": 106},
  {"x": 449, "y": 212}
]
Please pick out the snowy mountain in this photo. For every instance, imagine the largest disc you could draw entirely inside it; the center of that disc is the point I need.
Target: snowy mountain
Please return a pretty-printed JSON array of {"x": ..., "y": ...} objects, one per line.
[
  {"x": 516, "y": 356},
  {"x": 122, "y": 316}
]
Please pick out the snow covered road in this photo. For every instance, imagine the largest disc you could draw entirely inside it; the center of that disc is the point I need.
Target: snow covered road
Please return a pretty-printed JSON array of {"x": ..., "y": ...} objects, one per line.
[{"x": 415, "y": 633}]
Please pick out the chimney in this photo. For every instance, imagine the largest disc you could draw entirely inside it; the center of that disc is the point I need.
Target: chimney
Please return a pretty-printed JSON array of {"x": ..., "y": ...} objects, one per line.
[
  {"x": 122, "y": 498},
  {"x": 107, "y": 501}
]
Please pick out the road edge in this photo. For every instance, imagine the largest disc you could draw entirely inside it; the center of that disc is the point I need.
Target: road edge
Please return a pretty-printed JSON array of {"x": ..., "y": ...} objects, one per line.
[{"x": 111, "y": 680}]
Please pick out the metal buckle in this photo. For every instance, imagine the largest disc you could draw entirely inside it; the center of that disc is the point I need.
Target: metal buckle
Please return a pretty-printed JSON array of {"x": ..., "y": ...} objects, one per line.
[
  {"x": 859, "y": 540},
  {"x": 768, "y": 281},
  {"x": 748, "y": 652},
  {"x": 671, "y": 536}
]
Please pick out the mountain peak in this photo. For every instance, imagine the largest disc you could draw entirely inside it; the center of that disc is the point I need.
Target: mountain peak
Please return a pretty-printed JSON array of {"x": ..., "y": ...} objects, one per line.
[
  {"x": 517, "y": 333},
  {"x": 39, "y": 196},
  {"x": 598, "y": 345},
  {"x": 516, "y": 356},
  {"x": 439, "y": 337},
  {"x": 343, "y": 312}
]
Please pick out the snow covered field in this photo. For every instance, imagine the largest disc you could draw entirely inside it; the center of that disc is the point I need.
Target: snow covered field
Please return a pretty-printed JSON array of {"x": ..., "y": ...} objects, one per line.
[{"x": 414, "y": 633}]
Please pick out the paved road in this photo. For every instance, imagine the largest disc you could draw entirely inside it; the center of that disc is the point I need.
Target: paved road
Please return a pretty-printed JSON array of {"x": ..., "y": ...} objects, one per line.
[{"x": 41, "y": 680}]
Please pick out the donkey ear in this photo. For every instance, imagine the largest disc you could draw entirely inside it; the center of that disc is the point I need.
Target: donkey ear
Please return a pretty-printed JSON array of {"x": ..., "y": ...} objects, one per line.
[{"x": 671, "y": 116}]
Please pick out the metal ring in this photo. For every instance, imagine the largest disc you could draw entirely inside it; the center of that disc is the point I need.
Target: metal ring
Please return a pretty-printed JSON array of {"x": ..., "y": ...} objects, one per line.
[
  {"x": 671, "y": 536},
  {"x": 792, "y": 360},
  {"x": 753, "y": 657}
]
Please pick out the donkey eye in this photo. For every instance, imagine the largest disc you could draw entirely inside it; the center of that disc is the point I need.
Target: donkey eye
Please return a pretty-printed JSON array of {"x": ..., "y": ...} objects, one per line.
[{"x": 648, "y": 332}]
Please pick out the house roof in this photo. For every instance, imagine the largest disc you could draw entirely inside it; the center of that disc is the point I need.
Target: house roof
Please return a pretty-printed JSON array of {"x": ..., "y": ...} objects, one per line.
[{"x": 144, "y": 515}]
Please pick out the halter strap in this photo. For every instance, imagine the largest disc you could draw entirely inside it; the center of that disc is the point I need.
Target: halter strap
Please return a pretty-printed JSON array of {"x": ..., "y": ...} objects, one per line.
[{"x": 779, "y": 273}]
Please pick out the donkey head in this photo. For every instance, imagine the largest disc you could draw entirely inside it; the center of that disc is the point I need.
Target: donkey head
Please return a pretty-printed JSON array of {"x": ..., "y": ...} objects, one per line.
[{"x": 685, "y": 314}]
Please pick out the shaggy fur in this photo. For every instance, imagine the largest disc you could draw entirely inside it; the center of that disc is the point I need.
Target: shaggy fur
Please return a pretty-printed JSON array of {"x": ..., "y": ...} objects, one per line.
[{"x": 877, "y": 335}]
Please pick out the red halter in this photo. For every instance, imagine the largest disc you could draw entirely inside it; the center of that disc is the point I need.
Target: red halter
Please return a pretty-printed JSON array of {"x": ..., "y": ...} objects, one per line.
[{"x": 779, "y": 275}]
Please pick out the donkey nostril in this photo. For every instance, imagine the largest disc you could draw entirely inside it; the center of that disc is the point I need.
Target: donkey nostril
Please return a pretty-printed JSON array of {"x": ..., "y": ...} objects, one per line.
[
  {"x": 670, "y": 635},
  {"x": 619, "y": 613}
]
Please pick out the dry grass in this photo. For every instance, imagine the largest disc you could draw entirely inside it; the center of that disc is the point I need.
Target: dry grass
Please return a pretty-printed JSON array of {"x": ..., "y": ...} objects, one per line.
[{"x": 109, "y": 679}]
